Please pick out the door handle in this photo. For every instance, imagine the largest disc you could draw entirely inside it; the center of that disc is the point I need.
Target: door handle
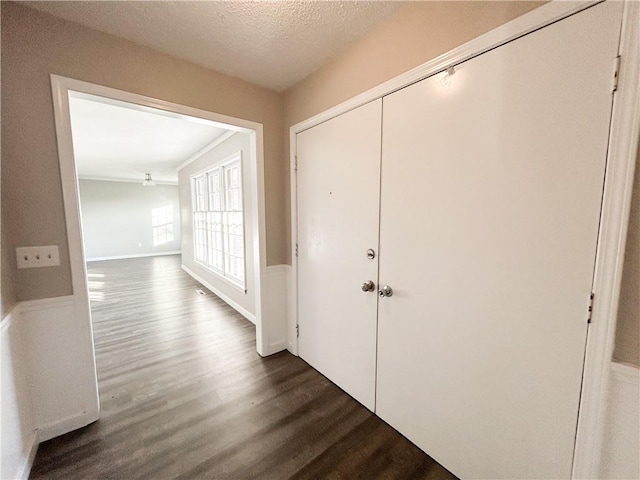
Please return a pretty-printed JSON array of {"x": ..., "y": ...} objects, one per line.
[
  {"x": 385, "y": 291},
  {"x": 368, "y": 286}
]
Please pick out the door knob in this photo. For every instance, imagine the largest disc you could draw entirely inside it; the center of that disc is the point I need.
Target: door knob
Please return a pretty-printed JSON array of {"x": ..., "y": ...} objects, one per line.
[
  {"x": 385, "y": 291},
  {"x": 368, "y": 286}
]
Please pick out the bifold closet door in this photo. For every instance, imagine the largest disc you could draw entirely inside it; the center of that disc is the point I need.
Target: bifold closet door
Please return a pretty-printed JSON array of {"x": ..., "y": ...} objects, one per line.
[
  {"x": 338, "y": 219},
  {"x": 491, "y": 191}
]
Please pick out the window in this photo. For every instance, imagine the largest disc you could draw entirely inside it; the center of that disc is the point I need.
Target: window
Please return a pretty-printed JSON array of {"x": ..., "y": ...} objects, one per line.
[
  {"x": 162, "y": 224},
  {"x": 218, "y": 221}
]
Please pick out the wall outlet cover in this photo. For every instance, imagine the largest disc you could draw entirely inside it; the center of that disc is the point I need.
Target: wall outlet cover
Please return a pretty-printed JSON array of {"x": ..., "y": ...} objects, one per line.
[{"x": 35, "y": 257}]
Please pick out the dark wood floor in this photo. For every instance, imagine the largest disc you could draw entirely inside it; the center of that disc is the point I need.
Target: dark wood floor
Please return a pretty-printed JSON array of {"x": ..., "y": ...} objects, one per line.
[{"x": 185, "y": 395}]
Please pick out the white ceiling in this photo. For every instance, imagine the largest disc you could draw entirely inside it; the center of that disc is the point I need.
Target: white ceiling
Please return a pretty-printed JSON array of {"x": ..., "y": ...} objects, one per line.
[
  {"x": 114, "y": 140},
  {"x": 270, "y": 43}
]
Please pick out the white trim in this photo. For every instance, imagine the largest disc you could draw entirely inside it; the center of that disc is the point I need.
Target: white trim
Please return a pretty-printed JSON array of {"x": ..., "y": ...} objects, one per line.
[
  {"x": 624, "y": 135},
  {"x": 135, "y": 255},
  {"x": 123, "y": 180},
  {"x": 292, "y": 337},
  {"x": 621, "y": 444},
  {"x": 222, "y": 138},
  {"x": 66, "y": 425},
  {"x": 25, "y": 470},
  {"x": 237, "y": 307},
  {"x": 221, "y": 277},
  {"x": 527, "y": 23},
  {"x": 616, "y": 204},
  {"x": 46, "y": 304},
  {"x": 625, "y": 373},
  {"x": 60, "y": 89},
  {"x": 234, "y": 158}
]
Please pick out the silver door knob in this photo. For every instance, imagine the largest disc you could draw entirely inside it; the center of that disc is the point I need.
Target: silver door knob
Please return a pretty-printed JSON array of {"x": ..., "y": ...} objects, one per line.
[
  {"x": 368, "y": 286},
  {"x": 385, "y": 291}
]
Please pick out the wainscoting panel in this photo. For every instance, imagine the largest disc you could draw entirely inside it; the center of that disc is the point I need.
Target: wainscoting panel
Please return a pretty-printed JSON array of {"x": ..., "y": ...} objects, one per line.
[{"x": 621, "y": 446}]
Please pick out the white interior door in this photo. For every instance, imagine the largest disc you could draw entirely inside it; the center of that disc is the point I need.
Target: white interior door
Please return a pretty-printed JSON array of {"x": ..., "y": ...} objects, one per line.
[
  {"x": 338, "y": 219},
  {"x": 491, "y": 188}
]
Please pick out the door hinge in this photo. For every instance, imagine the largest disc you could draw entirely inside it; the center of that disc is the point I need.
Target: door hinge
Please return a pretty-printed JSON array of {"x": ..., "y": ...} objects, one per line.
[
  {"x": 297, "y": 330},
  {"x": 590, "y": 307},
  {"x": 295, "y": 166},
  {"x": 616, "y": 73},
  {"x": 296, "y": 249}
]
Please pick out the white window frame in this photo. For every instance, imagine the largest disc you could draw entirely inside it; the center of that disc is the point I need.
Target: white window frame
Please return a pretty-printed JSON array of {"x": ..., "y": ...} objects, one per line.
[{"x": 203, "y": 214}]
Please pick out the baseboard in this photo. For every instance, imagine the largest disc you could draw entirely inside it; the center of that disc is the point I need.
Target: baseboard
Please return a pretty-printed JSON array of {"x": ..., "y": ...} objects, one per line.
[
  {"x": 66, "y": 425},
  {"x": 25, "y": 470},
  {"x": 137, "y": 255},
  {"x": 238, "y": 308}
]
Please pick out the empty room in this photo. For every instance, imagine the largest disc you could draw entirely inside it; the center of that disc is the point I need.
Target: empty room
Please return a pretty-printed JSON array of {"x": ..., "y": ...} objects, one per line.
[{"x": 320, "y": 239}]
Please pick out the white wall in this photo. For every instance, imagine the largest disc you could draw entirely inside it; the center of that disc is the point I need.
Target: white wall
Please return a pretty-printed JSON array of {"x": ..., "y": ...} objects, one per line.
[
  {"x": 49, "y": 383},
  {"x": 17, "y": 440},
  {"x": 621, "y": 445},
  {"x": 116, "y": 218},
  {"x": 244, "y": 302}
]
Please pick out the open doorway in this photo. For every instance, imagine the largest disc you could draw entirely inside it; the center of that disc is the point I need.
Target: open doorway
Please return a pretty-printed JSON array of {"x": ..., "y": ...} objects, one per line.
[
  {"x": 145, "y": 175},
  {"x": 249, "y": 284}
]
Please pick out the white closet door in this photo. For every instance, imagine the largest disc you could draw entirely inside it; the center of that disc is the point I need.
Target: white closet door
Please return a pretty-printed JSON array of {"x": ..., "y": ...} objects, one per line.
[
  {"x": 338, "y": 219},
  {"x": 491, "y": 188}
]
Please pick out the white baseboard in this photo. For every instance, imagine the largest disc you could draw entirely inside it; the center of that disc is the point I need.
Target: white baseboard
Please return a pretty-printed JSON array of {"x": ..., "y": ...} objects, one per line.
[
  {"x": 66, "y": 425},
  {"x": 621, "y": 446},
  {"x": 137, "y": 255},
  {"x": 237, "y": 307},
  {"x": 25, "y": 470}
]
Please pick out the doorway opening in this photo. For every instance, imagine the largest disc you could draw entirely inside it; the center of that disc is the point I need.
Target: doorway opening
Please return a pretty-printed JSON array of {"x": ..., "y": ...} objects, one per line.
[{"x": 173, "y": 226}]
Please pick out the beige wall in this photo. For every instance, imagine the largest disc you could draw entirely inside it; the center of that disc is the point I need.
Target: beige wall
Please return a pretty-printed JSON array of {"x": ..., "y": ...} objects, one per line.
[
  {"x": 414, "y": 35},
  {"x": 627, "y": 349},
  {"x": 35, "y": 45}
]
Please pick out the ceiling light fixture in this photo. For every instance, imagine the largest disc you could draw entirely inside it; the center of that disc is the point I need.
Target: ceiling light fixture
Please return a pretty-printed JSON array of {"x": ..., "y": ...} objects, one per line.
[{"x": 147, "y": 181}]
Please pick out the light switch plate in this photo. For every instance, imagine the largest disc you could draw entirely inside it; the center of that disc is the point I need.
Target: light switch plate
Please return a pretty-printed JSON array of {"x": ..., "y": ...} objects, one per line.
[{"x": 34, "y": 257}]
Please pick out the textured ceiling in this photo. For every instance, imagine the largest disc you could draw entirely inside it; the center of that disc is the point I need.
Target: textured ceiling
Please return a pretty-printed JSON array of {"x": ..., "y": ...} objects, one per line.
[
  {"x": 270, "y": 43},
  {"x": 114, "y": 140}
]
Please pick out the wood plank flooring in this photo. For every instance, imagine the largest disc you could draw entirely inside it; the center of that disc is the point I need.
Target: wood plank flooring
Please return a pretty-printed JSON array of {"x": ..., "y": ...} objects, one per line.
[{"x": 185, "y": 395}]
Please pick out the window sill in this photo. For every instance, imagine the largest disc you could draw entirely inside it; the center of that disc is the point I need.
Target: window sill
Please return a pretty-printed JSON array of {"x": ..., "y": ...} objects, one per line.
[{"x": 222, "y": 278}]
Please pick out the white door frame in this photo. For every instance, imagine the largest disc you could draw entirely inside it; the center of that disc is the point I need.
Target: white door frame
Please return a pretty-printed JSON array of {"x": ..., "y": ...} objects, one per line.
[
  {"x": 61, "y": 86},
  {"x": 624, "y": 136}
]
